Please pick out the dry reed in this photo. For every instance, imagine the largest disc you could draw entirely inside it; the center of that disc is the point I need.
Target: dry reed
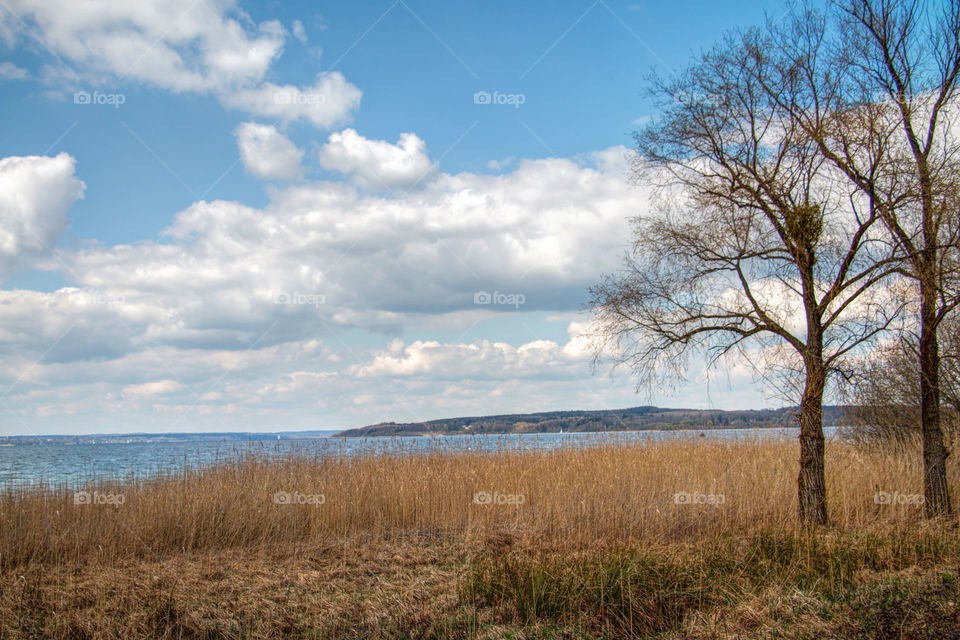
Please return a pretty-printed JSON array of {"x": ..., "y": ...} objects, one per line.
[{"x": 610, "y": 495}]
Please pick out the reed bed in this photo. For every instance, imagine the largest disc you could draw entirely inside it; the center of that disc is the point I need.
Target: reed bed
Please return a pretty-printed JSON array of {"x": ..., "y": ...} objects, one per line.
[
  {"x": 693, "y": 538},
  {"x": 611, "y": 495}
]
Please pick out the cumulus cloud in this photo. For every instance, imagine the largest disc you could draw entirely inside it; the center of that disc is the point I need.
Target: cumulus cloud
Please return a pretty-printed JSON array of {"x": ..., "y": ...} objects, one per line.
[
  {"x": 267, "y": 153},
  {"x": 209, "y": 47},
  {"x": 354, "y": 258},
  {"x": 325, "y": 256},
  {"x": 234, "y": 302},
  {"x": 331, "y": 100},
  {"x": 302, "y": 384},
  {"x": 35, "y": 194},
  {"x": 174, "y": 44},
  {"x": 481, "y": 360},
  {"x": 377, "y": 164}
]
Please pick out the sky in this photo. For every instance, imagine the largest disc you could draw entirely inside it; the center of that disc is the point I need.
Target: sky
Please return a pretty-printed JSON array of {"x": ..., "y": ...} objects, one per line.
[{"x": 223, "y": 215}]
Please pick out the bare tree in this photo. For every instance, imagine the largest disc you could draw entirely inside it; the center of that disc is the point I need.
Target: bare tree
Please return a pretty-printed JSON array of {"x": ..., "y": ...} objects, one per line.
[
  {"x": 885, "y": 391},
  {"x": 754, "y": 246},
  {"x": 874, "y": 84}
]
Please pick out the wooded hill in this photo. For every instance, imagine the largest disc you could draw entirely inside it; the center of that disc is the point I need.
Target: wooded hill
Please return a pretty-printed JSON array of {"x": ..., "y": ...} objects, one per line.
[{"x": 632, "y": 419}]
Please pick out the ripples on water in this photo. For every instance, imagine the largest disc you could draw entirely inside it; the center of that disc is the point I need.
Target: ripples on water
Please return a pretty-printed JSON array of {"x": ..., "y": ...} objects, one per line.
[{"x": 72, "y": 465}]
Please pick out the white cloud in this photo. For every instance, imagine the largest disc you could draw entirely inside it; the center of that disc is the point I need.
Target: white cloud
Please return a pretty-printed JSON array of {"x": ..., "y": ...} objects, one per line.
[
  {"x": 347, "y": 262},
  {"x": 481, "y": 360},
  {"x": 614, "y": 161},
  {"x": 210, "y": 47},
  {"x": 297, "y": 385},
  {"x": 177, "y": 45},
  {"x": 159, "y": 387},
  {"x": 299, "y": 32},
  {"x": 10, "y": 71},
  {"x": 377, "y": 164},
  {"x": 546, "y": 231},
  {"x": 267, "y": 153},
  {"x": 35, "y": 194},
  {"x": 330, "y": 100},
  {"x": 500, "y": 165}
]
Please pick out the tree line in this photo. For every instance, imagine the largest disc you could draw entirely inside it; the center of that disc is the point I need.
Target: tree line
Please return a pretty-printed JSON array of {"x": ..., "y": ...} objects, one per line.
[{"x": 804, "y": 215}]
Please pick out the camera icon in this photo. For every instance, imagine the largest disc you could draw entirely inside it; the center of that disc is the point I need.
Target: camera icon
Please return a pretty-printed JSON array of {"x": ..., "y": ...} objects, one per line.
[
  {"x": 81, "y": 97},
  {"x": 282, "y": 497},
  {"x": 82, "y": 497},
  {"x": 282, "y": 97},
  {"x": 482, "y": 497},
  {"x": 482, "y": 297},
  {"x": 682, "y": 497},
  {"x": 281, "y": 298},
  {"x": 481, "y": 97},
  {"x": 882, "y": 497}
]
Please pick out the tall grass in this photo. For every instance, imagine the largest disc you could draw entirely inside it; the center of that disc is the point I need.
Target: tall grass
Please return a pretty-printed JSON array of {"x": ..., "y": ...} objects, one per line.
[{"x": 610, "y": 495}]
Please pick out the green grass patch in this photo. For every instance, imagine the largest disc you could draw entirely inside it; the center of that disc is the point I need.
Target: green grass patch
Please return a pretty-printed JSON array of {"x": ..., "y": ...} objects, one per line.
[{"x": 653, "y": 592}]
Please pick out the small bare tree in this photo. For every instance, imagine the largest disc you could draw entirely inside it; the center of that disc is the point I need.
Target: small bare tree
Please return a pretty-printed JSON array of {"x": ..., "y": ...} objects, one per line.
[
  {"x": 885, "y": 391},
  {"x": 753, "y": 246}
]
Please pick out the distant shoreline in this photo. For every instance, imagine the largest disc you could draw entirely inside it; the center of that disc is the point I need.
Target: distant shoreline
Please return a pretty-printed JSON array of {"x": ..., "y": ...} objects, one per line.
[
  {"x": 572, "y": 433},
  {"x": 35, "y": 441},
  {"x": 148, "y": 438},
  {"x": 643, "y": 418}
]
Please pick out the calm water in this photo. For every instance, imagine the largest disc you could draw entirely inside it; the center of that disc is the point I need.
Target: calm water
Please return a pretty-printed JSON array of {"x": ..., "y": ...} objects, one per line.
[{"x": 73, "y": 465}]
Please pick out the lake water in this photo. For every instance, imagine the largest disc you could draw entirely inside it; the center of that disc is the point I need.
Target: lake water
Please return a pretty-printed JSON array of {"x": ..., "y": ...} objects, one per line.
[{"x": 75, "y": 464}]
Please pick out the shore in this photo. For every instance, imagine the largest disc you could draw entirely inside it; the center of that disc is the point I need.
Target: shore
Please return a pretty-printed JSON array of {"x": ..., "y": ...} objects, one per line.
[{"x": 680, "y": 539}]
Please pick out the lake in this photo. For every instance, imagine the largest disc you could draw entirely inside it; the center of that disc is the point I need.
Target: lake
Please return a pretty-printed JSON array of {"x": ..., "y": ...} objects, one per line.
[{"x": 73, "y": 465}]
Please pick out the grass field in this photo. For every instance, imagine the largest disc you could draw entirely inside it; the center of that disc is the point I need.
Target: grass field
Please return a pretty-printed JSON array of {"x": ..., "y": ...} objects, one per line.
[{"x": 688, "y": 539}]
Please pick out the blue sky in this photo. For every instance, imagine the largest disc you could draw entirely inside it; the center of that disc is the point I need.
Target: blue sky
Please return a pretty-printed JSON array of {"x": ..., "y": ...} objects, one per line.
[{"x": 286, "y": 219}]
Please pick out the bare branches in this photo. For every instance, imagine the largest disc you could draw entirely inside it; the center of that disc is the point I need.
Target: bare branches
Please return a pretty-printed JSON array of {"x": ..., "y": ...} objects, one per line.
[
  {"x": 802, "y": 168},
  {"x": 886, "y": 390},
  {"x": 753, "y": 238}
]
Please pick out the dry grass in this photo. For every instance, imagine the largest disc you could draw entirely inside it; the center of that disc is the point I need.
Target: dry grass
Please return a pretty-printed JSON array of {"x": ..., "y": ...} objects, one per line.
[{"x": 598, "y": 545}]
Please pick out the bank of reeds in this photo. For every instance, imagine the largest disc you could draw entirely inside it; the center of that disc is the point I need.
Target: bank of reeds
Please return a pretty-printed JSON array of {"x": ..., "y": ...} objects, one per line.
[{"x": 618, "y": 539}]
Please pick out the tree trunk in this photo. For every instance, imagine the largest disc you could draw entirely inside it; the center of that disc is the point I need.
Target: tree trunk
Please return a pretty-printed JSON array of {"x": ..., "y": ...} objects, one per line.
[
  {"x": 935, "y": 492},
  {"x": 811, "y": 485}
]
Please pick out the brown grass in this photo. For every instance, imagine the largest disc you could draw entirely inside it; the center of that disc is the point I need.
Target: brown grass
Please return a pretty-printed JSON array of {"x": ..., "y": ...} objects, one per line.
[{"x": 405, "y": 530}]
